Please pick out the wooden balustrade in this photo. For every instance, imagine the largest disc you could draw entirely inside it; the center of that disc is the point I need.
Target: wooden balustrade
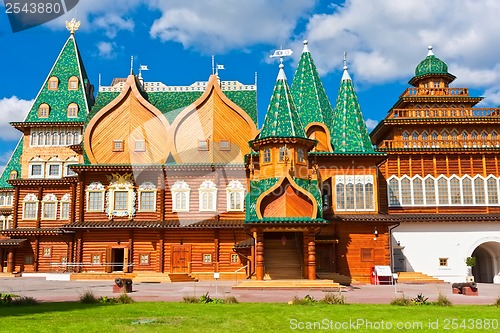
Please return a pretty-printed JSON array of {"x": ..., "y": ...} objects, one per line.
[
  {"x": 418, "y": 91},
  {"x": 438, "y": 144},
  {"x": 445, "y": 113}
]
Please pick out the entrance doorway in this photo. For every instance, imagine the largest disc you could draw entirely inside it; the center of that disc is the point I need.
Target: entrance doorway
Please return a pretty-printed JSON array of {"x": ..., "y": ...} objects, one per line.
[
  {"x": 399, "y": 259},
  {"x": 487, "y": 262},
  {"x": 325, "y": 257},
  {"x": 118, "y": 256},
  {"x": 181, "y": 256}
]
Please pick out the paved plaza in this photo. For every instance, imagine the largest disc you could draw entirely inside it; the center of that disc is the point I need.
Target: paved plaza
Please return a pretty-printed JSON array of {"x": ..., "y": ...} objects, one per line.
[{"x": 57, "y": 291}]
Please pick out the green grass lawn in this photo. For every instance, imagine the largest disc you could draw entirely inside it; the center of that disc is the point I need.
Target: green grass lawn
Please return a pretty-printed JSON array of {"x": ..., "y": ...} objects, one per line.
[{"x": 245, "y": 317}]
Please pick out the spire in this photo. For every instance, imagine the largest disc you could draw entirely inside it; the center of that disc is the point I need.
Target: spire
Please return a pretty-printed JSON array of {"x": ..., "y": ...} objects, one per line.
[
  {"x": 430, "y": 53},
  {"x": 349, "y": 132},
  {"x": 72, "y": 25},
  {"x": 67, "y": 83},
  {"x": 305, "y": 49},
  {"x": 308, "y": 92},
  {"x": 282, "y": 119}
]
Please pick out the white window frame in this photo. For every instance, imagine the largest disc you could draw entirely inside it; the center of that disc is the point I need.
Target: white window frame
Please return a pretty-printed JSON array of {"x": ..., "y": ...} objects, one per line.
[
  {"x": 94, "y": 187},
  {"x": 65, "y": 201},
  {"x": 47, "y": 170},
  {"x": 121, "y": 183},
  {"x": 147, "y": 187},
  {"x": 207, "y": 189},
  {"x": 181, "y": 188},
  {"x": 30, "y": 199},
  {"x": 42, "y": 170},
  {"x": 49, "y": 199},
  {"x": 67, "y": 171},
  {"x": 235, "y": 187},
  {"x": 345, "y": 181}
]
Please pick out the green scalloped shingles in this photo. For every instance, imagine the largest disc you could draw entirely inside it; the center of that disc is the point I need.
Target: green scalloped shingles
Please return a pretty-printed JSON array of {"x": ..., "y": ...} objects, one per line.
[
  {"x": 309, "y": 94},
  {"x": 349, "y": 132},
  {"x": 68, "y": 64},
  {"x": 431, "y": 65},
  {"x": 257, "y": 187},
  {"x": 282, "y": 119},
  {"x": 172, "y": 103},
  {"x": 14, "y": 164}
]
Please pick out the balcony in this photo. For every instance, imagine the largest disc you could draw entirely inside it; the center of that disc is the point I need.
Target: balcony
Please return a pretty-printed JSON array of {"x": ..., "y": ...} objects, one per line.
[
  {"x": 438, "y": 144},
  {"x": 438, "y": 92},
  {"x": 444, "y": 113}
]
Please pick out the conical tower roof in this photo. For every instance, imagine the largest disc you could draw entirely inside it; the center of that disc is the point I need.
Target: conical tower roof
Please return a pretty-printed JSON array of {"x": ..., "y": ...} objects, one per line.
[
  {"x": 282, "y": 119},
  {"x": 309, "y": 94},
  {"x": 67, "y": 65},
  {"x": 349, "y": 132}
]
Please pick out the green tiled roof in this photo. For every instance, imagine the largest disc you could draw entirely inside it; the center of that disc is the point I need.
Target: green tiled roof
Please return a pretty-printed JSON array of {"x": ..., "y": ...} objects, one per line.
[
  {"x": 13, "y": 164},
  {"x": 349, "y": 132},
  {"x": 68, "y": 64},
  {"x": 257, "y": 187},
  {"x": 431, "y": 65},
  {"x": 309, "y": 94},
  {"x": 282, "y": 119},
  {"x": 171, "y": 103}
]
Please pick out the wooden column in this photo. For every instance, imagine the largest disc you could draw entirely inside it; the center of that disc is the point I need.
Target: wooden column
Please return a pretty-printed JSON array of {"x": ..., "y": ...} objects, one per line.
[
  {"x": 79, "y": 252},
  {"x": 259, "y": 265},
  {"x": 10, "y": 261},
  {"x": 161, "y": 259},
  {"x": 39, "y": 214},
  {"x": 83, "y": 198},
  {"x": 311, "y": 249},
  {"x": 216, "y": 247},
  {"x": 37, "y": 253},
  {"x": 130, "y": 269},
  {"x": 15, "y": 207},
  {"x": 72, "y": 210}
]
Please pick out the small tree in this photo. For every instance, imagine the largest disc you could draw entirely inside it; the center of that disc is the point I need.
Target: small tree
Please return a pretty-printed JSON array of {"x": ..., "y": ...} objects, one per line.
[{"x": 470, "y": 262}]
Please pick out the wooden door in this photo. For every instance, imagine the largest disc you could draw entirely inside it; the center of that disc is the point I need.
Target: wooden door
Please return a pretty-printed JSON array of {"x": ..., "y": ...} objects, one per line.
[
  {"x": 108, "y": 268},
  {"x": 325, "y": 257},
  {"x": 181, "y": 256},
  {"x": 126, "y": 267}
]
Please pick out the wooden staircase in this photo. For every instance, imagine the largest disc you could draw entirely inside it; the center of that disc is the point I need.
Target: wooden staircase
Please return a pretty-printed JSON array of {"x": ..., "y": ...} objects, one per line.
[
  {"x": 181, "y": 277},
  {"x": 151, "y": 277},
  {"x": 282, "y": 261},
  {"x": 417, "y": 277}
]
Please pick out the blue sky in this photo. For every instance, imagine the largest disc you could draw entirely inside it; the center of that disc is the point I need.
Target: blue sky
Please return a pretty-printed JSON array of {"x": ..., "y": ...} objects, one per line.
[{"x": 384, "y": 41}]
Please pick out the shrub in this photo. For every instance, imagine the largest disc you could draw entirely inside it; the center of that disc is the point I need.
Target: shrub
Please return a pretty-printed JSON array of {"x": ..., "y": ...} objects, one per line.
[
  {"x": 231, "y": 300},
  {"x": 124, "y": 298},
  {"x": 420, "y": 299},
  {"x": 205, "y": 298},
  {"x": 88, "y": 298},
  {"x": 497, "y": 302},
  {"x": 401, "y": 301},
  {"x": 24, "y": 300},
  {"x": 307, "y": 300},
  {"x": 331, "y": 298},
  {"x": 442, "y": 300},
  {"x": 190, "y": 299}
]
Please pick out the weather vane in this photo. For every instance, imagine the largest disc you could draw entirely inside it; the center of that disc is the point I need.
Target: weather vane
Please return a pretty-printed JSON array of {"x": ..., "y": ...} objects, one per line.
[{"x": 281, "y": 53}]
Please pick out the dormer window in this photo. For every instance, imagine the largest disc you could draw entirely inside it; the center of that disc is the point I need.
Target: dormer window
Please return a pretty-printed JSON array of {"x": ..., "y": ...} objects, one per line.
[
  {"x": 73, "y": 83},
  {"x": 53, "y": 83},
  {"x": 225, "y": 145},
  {"x": 267, "y": 155},
  {"x": 202, "y": 145},
  {"x": 117, "y": 145},
  {"x": 13, "y": 174},
  {"x": 43, "y": 110},
  {"x": 73, "y": 110}
]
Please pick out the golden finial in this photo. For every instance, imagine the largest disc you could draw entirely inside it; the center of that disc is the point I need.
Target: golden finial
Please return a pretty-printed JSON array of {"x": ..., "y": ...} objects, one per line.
[{"x": 72, "y": 25}]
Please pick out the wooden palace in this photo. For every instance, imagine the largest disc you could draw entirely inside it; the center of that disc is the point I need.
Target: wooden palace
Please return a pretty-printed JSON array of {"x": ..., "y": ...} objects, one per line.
[{"x": 151, "y": 178}]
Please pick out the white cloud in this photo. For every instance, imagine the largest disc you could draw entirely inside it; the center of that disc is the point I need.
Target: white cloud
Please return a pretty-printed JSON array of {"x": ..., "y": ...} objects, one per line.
[
  {"x": 106, "y": 49},
  {"x": 113, "y": 23},
  {"x": 12, "y": 109},
  {"x": 221, "y": 25},
  {"x": 371, "y": 123},
  {"x": 385, "y": 40}
]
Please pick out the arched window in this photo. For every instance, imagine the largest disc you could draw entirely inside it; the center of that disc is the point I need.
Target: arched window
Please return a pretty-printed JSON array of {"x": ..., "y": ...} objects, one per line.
[
  {"x": 425, "y": 139},
  {"x": 443, "y": 196},
  {"x": 467, "y": 191},
  {"x": 494, "y": 139},
  {"x": 454, "y": 135},
  {"x": 430, "y": 191},
  {"x": 479, "y": 191},
  {"x": 62, "y": 139},
  {"x": 484, "y": 139},
  {"x": 235, "y": 193},
  {"x": 41, "y": 139},
  {"x": 406, "y": 137},
  {"x": 72, "y": 110},
  {"x": 340, "y": 192},
  {"x": 405, "y": 191},
  {"x": 492, "y": 184},
  {"x": 393, "y": 192},
  {"x": 465, "y": 138},
  {"x": 474, "y": 138},
  {"x": 65, "y": 204},
  {"x": 69, "y": 140},
  {"x": 73, "y": 83},
  {"x": 455, "y": 191},
  {"x": 418, "y": 191},
  {"x": 53, "y": 83},
  {"x": 43, "y": 110},
  {"x": 13, "y": 174},
  {"x": 34, "y": 138},
  {"x": 55, "y": 138},
  {"x": 208, "y": 196},
  {"x": 180, "y": 196},
  {"x": 48, "y": 138}
]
